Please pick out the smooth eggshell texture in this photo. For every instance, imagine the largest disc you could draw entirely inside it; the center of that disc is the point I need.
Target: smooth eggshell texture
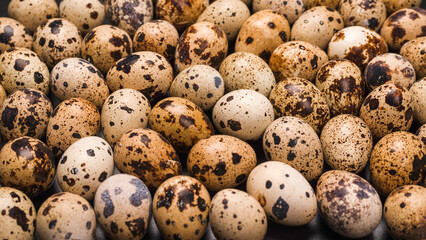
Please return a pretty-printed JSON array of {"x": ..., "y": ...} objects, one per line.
[
  {"x": 180, "y": 13},
  {"x": 418, "y": 94},
  {"x": 365, "y": 13},
  {"x": 14, "y": 35},
  {"x": 85, "y": 14},
  {"x": 414, "y": 51},
  {"x": 290, "y": 9}
]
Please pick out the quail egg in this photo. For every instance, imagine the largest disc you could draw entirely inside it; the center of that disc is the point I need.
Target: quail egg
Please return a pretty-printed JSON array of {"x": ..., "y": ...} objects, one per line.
[
  {"x": 3, "y": 94},
  {"x": 13, "y": 34},
  {"x": 414, "y": 51},
  {"x": 365, "y": 13},
  {"x": 85, "y": 14},
  {"x": 290, "y": 9},
  {"x": 328, "y": 3},
  {"x": 418, "y": 93},
  {"x": 421, "y": 133},
  {"x": 395, "y": 5}
]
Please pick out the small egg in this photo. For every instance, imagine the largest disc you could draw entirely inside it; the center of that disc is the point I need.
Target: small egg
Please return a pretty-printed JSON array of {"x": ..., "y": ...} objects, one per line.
[
  {"x": 221, "y": 161},
  {"x": 13, "y": 35},
  {"x": 365, "y": 13},
  {"x": 328, "y": 3},
  {"x": 421, "y": 133},
  {"x": 27, "y": 164},
  {"x": 418, "y": 93},
  {"x": 290, "y": 9},
  {"x": 3, "y": 94},
  {"x": 230, "y": 206},
  {"x": 348, "y": 203},
  {"x": 395, "y": 5},
  {"x": 85, "y": 14},
  {"x": 414, "y": 52},
  {"x": 180, "y": 13}
]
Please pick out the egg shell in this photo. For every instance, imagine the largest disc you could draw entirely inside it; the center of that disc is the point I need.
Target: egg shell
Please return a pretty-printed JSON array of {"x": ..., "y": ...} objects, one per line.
[
  {"x": 22, "y": 68},
  {"x": 290, "y": 9},
  {"x": 56, "y": 218},
  {"x": 27, "y": 164},
  {"x": 14, "y": 35},
  {"x": 3, "y": 94},
  {"x": 18, "y": 215},
  {"x": 418, "y": 93},
  {"x": 414, "y": 51},
  {"x": 147, "y": 155},
  {"x": 421, "y": 133},
  {"x": 365, "y": 13},
  {"x": 395, "y": 5},
  {"x": 123, "y": 207},
  {"x": 387, "y": 109},
  {"x": 123, "y": 110},
  {"x": 231, "y": 205},
  {"x": 283, "y": 192},
  {"x": 221, "y": 161},
  {"x": 328, "y": 3},
  {"x": 181, "y": 207},
  {"x": 397, "y": 159},
  {"x": 71, "y": 120},
  {"x": 262, "y": 32},
  {"x": 348, "y": 203},
  {"x": 181, "y": 122},
  {"x": 85, "y": 14}
]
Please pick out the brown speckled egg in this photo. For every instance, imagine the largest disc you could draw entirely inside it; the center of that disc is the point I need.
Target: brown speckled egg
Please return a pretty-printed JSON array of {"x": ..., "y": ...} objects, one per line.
[
  {"x": 405, "y": 211},
  {"x": 243, "y": 113},
  {"x": 402, "y": 26},
  {"x": 104, "y": 45},
  {"x": 156, "y": 36},
  {"x": 421, "y": 133},
  {"x": 147, "y": 72},
  {"x": 243, "y": 70},
  {"x": 84, "y": 166},
  {"x": 235, "y": 214},
  {"x": 397, "y": 159},
  {"x": 180, "y": 13},
  {"x": 365, "y": 13},
  {"x": 13, "y": 35},
  {"x": 347, "y": 143},
  {"x": 415, "y": 52},
  {"x": 262, "y": 32},
  {"x": 124, "y": 110},
  {"x": 17, "y": 215},
  {"x": 201, "y": 43},
  {"x": 147, "y": 155},
  {"x": 290, "y": 9},
  {"x": 71, "y": 120},
  {"x": 300, "y": 98},
  {"x": 418, "y": 93},
  {"x": 293, "y": 141},
  {"x": 297, "y": 59},
  {"x": 76, "y": 77},
  {"x": 22, "y": 68},
  {"x": 328, "y": 3},
  {"x": 3, "y": 94},
  {"x": 55, "y": 40},
  {"x": 32, "y": 13},
  {"x": 342, "y": 85},
  {"x": 348, "y": 203},
  {"x": 201, "y": 84},
  {"x": 221, "y": 161},
  {"x": 25, "y": 113},
  {"x": 283, "y": 192},
  {"x": 181, "y": 207},
  {"x": 123, "y": 207},
  {"x": 395, "y": 5},
  {"x": 85, "y": 14},
  {"x": 357, "y": 44},
  {"x": 387, "y": 109},
  {"x": 66, "y": 216},
  {"x": 27, "y": 164},
  {"x": 181, "y": 122}
]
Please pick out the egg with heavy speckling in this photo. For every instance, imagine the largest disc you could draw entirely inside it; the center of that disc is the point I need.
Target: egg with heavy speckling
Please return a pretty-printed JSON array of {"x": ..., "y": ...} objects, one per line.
[
  {"x": 221, "y": 161},
  {"x": 290, "y": 9},
  {"x": 328, "y": 3},
  {"x": 180, "y": 13},
  {"x": 27, "y": 164},
  {"x": 365, "y": 13},
  {"x": 418, "y": 93},
  {"x": 235, "y": 214},
  {"x": 181, "y": 207},
  {"x": 395, "y": 5},
  {"x": 85, "y": 14},
  {"x": 421, "y": 133},
  {"x": 13, "y": 35},
  {"x": 414, "y": 51},
  {"x": 123, "y": 207},
  {"x": 348, "y": 203}
]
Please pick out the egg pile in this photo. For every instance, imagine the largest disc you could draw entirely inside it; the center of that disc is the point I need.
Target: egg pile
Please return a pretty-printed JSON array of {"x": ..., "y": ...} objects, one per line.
[{"x": 191, "y": 119}]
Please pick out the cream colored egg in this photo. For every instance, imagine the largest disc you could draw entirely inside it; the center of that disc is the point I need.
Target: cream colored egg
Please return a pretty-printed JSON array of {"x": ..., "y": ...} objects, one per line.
[
  {"x": 14, "y": 35},
  {"x": 180, "y": 13},
  {"x": 365, "y": 13},
  {"x": 290, "y": 9},
  {"x": 414, "y": 51},
  {"x": 395, "y": 5},
  {"x": 85, "y": 14}
]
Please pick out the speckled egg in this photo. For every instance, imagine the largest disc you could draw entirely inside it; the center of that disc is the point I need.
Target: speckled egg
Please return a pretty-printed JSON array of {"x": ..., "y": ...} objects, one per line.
[
  {"x": 418, "y": 93},
  {"x": 397, "y": 159},
  {"x": 395, "y": 5},
  {"x": 328, "y": 3},
  {"x": 129, "y": 15},
  {"x": 56, "y": 218},
  {"x": 13, "y": 35},
  {"x": 27, "y": 164},
  {"x": 283, "y": 192},
  {"x": 201, "y": 84},
  {"x": 181, "y": 122},
  {"x": 180, "y": 13},
  {"x": 221, "y": 161},
  {"x": 124, "y": 110},
  {"x": 71, "y": 120},
  {"x": 347, "y": 143},
  {"x": 3, "y": 94},
  {"x": 22, "y": 68},
  {"x": 405, "y": 211},
  {"x": 243, "y": 113},
  {"x": 201, "y": 43},
  {"x": 414, "y": 51},
  {"x": 243, "y": 70},
  {"x": 25, "y": 113},
  {"x": 421, "y": 133},
  {"x": 104, "y": 45},
  {"x": 85, "y": 14},
  {"x": 147, "y": 72},
  {"x": 181, "y": 207},
  {"x": 348, "y": 203},
  {"x": 32, "y": 13},
  {"x": 402, "y": 26},
  {"x": 262, "y": 32},
  {"x": 84, "y": 166},
  {"x": 235, "y": 214},
  {"x": 293, "y": 141},
  {"x": 387, "y": 109},
  {"x": 357, "y": 44},
  {"x": 123, "y": 207},
  {"x": 156, "y": 36},
  {"x": 290, "y": 9},
  {"x": 300, "y": 98},
  {"x": 365, "y": 13},
  {"x": 76, "y": 77},
  {"x": 147, "y": 155},
  {"x": 229, "y": 15}
]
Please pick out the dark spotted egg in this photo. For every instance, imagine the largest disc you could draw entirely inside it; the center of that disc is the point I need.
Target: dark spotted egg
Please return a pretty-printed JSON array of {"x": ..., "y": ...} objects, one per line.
[
  {"x": 333, "y": 4},
  {"x": 290, "y": 9},
  {"x": 395, "y": 5},
  {"x": 421, "y": 133},
  {"x": 13, "y": 35},
  {"x": 366, "y": 13},
  {"x": 414, "y": 51},
  {"x": 85, "y": 14}
]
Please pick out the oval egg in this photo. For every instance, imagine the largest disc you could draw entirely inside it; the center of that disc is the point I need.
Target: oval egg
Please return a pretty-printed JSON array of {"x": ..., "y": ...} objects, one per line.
[
  {"x": 85, "y": 14},
  {"x": 414, "y": 52},
  {"x": 180, "y": 13},
  {"x": 418, "y": 93},
  {"x": 15, "y": 35}
]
